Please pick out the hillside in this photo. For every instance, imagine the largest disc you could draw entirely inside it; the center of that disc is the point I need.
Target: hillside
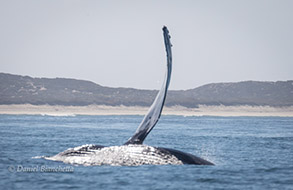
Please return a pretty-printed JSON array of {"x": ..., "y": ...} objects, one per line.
[{"x": 15, "y": 89}]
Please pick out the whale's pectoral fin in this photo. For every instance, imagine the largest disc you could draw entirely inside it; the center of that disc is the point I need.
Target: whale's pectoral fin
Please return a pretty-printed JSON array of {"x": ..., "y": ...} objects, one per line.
[{"x": 154, "y": 112}]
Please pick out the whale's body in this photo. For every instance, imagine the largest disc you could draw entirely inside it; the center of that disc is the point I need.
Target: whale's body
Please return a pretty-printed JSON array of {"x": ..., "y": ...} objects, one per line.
[
  {"x": 126, "y": 155},
  {"x": 133, "y": 152}
]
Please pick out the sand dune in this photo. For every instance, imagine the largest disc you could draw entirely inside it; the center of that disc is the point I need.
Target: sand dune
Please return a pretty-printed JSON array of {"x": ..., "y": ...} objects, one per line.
[{"x": 123, "y": 110}]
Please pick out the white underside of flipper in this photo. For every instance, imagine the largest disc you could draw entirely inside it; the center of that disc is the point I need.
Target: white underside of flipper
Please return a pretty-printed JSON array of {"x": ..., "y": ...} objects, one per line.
[{"x": 153, "y": 115}]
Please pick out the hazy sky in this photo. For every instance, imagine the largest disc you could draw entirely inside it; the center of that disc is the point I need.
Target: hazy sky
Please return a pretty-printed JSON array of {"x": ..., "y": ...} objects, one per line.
[{"x": 120, "y": 43}]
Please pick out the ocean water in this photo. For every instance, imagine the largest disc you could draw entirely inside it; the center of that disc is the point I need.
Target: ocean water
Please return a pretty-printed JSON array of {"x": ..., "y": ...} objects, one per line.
[{"x": 248, "y": 152}]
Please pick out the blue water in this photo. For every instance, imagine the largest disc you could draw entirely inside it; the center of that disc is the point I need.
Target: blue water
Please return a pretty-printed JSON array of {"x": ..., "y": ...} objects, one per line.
[{"x": 249, "y": 152}]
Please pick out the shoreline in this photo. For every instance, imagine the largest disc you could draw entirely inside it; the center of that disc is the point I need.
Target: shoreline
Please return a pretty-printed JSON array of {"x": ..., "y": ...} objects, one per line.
[{"x": 202, "y": 110}]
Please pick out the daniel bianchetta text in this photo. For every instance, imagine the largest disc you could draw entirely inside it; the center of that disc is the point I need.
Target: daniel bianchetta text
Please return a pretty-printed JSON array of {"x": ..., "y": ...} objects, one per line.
[{"x": 42, "y": 169}]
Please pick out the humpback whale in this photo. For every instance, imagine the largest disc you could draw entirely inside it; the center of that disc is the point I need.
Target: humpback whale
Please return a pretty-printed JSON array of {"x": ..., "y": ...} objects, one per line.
[{"x": 133, "y": 152}]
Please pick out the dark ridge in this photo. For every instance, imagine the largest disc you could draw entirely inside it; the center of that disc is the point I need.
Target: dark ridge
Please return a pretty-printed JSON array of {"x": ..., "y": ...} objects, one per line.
[{"x": 16, "y": 89}]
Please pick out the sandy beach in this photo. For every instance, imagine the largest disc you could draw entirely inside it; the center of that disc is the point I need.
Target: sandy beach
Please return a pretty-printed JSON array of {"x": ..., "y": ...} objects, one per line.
[{"x": 123, "y": 110}]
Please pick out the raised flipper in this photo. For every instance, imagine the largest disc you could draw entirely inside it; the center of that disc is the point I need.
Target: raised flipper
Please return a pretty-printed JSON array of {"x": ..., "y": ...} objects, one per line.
[{"x": 154, "y": 112}]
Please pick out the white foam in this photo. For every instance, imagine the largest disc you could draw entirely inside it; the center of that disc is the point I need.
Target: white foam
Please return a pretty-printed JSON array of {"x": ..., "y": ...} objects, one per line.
[{"x": 38, "y": 157}]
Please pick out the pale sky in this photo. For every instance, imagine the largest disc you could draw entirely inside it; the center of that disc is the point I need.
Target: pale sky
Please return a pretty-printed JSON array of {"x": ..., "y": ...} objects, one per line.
[{"x": 120, "y": 43}]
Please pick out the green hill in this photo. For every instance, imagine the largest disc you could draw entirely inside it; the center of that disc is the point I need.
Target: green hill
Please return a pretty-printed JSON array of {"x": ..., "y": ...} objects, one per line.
[{"x": 15, "y": 89}]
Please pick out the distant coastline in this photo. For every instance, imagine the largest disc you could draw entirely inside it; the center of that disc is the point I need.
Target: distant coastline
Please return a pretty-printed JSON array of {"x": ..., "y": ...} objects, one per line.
[
  {"x": 16, "y": 89},
  {"x": 202, "y": 110},
  {"x": 61, "y": 96}
]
